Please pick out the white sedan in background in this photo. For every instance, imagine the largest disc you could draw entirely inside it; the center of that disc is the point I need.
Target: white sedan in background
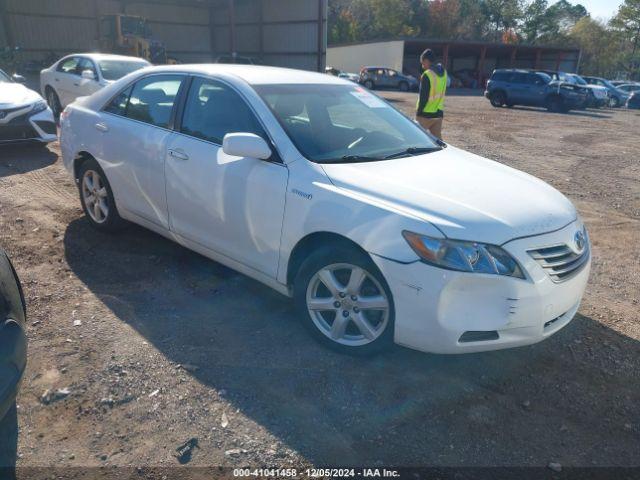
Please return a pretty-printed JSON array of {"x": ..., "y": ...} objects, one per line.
[
  {"x": 323, "y": 191},
  {"x": 83, "y": 74},
  {"x": 24, "y": 115}
]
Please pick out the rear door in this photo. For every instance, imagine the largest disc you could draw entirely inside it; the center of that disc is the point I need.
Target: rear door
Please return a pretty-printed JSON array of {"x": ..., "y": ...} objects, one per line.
[
  {"x": 135, "y": 127},
  {"x": 520, "y": 89},
  {"x": 231, "y": 205}
]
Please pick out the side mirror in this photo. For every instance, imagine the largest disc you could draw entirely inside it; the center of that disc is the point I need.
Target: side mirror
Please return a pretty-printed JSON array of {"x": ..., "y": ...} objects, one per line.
[
  {"x": 88, "y": 75},
  {"x": 246, "y": 145},
  {"x": 18, "y": 78}
]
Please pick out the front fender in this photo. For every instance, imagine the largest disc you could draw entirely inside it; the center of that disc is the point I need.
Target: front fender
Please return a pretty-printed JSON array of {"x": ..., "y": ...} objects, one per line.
[{"x": 314, "y": 204}]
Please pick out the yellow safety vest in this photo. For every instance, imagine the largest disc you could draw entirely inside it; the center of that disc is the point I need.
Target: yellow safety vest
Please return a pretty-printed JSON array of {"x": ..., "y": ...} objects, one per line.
[{"x": 437, "y": 89}]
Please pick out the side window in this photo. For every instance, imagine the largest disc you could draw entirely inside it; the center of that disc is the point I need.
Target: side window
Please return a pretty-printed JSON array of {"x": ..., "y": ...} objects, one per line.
[
  {"x": 86, "y": 64},
  {"x": 152, "y": 98},
  {"x": 519, "y": 78},
  {"x": 118, "y": 106},
  {"x": 214, "y": 109},
  {"x": 69, "y": 65}
]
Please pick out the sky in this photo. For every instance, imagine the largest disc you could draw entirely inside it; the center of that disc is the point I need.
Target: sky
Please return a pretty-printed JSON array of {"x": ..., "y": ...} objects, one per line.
[{"x": 600, "y": 8}]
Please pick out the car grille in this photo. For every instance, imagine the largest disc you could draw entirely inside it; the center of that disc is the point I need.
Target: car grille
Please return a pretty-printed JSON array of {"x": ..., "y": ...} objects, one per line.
[
  {"x": 560, "y": 261},
  {"x": 15, "y": 133}
]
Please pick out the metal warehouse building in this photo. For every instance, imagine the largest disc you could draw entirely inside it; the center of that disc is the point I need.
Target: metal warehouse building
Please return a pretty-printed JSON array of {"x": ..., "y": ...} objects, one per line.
[
  {"x": 465, "y": 60},
  {"x": 191, "y": 30}
]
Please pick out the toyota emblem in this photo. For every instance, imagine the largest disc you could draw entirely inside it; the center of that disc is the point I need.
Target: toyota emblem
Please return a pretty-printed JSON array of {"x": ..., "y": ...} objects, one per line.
[{"x": 580, "y": 240}]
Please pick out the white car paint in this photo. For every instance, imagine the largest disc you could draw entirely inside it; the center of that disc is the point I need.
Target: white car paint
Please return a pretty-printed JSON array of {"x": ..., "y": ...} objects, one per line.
[
  {"x": 16, "y": 103},
  {"x": 70, "y": 86},
  {"x": 250, "y": 214}
]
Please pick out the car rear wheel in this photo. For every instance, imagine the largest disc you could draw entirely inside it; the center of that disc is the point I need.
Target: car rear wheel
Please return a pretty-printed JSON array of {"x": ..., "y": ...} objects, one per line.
[
  {"x": 345, "y": 301},
  {"x": 614, "y": 102},
  {"x": 404, "y": 87},
  {"x": 96, "y": 197},
  {"x": 53, "y": 101},
  {"x": 369, "y": 84},
  {"x": 498, "y": 99}
]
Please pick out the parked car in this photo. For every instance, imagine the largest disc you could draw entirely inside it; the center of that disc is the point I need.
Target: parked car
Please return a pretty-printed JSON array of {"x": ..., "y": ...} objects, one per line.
[
  {"x": 83, "y": 74},
  {"x": 634, "y": 101},
  {"x": 352, "y": 77},
  {"x": 629, "y": 87},
  {"x": 598, "y": 95},
  {"x": 13, "y": 341},
  {"x": 24, "y": 115},
  {"x": 617, "y": 97},
  {"x": 523, "y": 87},
  {"x": 383, "y": 77},
  {"x": 325, "y": 192}
]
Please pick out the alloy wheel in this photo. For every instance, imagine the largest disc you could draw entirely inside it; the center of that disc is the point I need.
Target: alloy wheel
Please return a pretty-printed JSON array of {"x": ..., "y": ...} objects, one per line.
[
  {"x": 95, "y": 196},
  {"x": 347, "y": 304}
]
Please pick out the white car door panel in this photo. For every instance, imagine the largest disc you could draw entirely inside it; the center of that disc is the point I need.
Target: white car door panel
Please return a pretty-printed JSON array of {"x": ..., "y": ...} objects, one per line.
[
  {"x": 231, "y": 205},
  {"x": 136, "y": 125}
]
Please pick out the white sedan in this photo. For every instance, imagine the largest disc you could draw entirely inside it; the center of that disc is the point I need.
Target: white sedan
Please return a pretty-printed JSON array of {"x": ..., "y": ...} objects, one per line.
[
  {"x": 24, "y": 115},
  {"x": 83, "y": 74},
  {"x": 323, "y": 191}
]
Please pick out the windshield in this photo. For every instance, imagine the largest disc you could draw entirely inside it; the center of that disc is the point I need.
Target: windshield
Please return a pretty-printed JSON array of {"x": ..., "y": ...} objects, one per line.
[
  {"x": 343, "y": 123},
  {"x": 578, "y": 80},
  {"x": 4, "y": 78},
  {"x": 116, "y": 69},
  {"x": 544, "y": 76}
]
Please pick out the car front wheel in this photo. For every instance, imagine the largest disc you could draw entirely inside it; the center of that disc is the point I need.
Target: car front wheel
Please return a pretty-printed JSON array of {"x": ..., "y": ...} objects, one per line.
[
  {"x": 369, "y": 85},
  {"x": 96, "y": 197},
  {"x": 498, "y": 99},
  {"x": 345, "y": 301}
]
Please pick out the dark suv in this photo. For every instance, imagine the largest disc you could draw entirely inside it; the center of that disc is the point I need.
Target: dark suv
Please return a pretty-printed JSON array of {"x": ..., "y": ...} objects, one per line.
[{"x": 523, "y": 87}]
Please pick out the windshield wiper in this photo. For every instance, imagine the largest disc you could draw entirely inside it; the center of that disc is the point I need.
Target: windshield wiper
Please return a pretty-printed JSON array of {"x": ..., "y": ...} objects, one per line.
[
  {"x": 413, "y": 151},
  {"x": 359, "y": 158}
]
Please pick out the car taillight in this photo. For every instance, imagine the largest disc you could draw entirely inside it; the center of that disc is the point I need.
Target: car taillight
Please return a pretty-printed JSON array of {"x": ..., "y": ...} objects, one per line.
[{"x": 64, "y": 114}]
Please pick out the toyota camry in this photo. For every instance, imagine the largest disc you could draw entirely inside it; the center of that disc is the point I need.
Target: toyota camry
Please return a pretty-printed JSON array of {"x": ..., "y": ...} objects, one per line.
[{"x": 322, "y": 190}]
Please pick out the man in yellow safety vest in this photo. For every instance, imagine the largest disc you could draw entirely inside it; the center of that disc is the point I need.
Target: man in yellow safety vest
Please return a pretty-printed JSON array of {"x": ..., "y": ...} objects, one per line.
[{"x": 433, "y": 85}]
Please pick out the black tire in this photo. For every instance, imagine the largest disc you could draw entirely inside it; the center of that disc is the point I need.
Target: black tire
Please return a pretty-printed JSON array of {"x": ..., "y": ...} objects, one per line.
[
  {"x": 53, "y": 101},
  {"x": 322, "y": 258},
  {"x": 555, "y": 104},
  {"x": 112, "y": 222},
  {"x": 8, "y": 443},
  {"x": 403, "y": 86},
  {"x": 498, "y": 99},
  {"x": 369, "y": 85}
]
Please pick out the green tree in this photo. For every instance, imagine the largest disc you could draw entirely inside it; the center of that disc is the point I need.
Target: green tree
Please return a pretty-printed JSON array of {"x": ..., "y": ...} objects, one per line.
[
  {"x": 503, "y": 15},
  {"x": 533, "y": 20},
  {"x": 598, "y": 46},
  {"x": 626, "y": 24}
]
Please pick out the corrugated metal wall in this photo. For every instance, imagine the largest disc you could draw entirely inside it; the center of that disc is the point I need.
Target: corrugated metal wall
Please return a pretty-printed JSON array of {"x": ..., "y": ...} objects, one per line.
[{"x": 192, "y": 30}]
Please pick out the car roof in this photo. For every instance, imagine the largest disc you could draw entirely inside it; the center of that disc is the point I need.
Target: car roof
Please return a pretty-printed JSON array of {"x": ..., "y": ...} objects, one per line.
[
  {"x": 107, "y": 56},
  {"x": 253, "y": 74}
]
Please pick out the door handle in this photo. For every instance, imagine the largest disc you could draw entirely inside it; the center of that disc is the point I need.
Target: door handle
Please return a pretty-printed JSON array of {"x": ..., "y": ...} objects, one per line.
[
  {"x": 76, "y": 84},
  {"x": 57, "y": 79},
  {"x": 178, "y": 154},
  {"x": 102, "y": 127}
]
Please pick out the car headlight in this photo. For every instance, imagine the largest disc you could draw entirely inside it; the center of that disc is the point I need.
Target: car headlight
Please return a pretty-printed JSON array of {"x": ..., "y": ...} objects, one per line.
[
  {"x": 39, "y": 106},
  {"x": 463, "y": 256}
]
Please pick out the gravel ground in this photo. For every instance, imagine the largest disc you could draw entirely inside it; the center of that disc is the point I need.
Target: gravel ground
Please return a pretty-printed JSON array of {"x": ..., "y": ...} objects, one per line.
[{"x": 143, "y": 345}]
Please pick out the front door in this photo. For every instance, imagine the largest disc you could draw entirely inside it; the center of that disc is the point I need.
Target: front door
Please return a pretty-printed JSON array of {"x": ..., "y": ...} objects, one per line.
[
  {"x": 231, "y": 205},
  {"x": 63, "y": 79}
]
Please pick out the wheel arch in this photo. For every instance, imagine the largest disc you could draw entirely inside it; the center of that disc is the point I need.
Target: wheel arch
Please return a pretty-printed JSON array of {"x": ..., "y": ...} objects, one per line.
[
  {"x": 78, "y": 160},
  {"x": 312, "y": 242}
]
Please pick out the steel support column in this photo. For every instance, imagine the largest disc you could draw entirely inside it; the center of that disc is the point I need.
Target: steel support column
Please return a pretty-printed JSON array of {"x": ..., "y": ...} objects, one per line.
[{"x": 232, "y": 29}]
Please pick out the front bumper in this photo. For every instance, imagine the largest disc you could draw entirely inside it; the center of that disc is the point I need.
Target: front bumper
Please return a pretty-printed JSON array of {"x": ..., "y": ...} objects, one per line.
[
  {"x": 434, "y": 307},
  {"x": 20, "y": 125}
]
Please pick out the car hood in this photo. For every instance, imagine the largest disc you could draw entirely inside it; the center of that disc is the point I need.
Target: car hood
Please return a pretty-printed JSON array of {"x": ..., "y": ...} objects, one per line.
[
  {"x": 465, "y": 196},
  {"x": 16, "y": 95}
]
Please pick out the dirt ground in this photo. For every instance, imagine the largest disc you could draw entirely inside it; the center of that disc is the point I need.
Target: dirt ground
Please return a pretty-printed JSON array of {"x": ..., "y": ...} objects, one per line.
[{"x": 158, "y": 345}]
